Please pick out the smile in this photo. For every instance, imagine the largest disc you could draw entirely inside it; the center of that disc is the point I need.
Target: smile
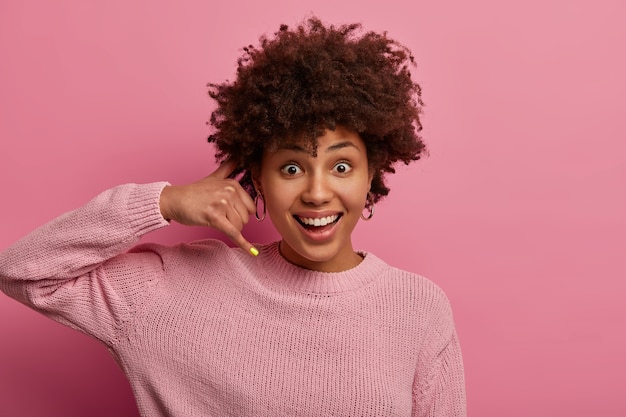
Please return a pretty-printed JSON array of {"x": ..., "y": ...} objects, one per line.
[{"x": 317, "y": 221}]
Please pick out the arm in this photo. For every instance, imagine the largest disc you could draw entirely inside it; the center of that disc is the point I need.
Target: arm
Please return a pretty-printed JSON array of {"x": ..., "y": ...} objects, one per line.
[
  {"x": 67, "y": 270},
  {"x": 439, "y": 384},
  {"x": 74, "y": 268}
]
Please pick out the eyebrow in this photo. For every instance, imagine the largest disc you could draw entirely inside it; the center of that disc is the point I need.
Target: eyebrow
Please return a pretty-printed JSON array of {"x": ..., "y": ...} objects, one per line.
[
  {"x": 341, "y": 145},
  {"x": 336, "y": 146}
]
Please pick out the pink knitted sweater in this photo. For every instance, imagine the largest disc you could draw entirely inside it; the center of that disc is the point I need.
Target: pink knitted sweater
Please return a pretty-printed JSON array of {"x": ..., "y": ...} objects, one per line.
[{"x": 202, "y": 329}]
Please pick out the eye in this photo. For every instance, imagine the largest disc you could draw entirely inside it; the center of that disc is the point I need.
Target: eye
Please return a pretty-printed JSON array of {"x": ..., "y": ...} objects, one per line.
[
  {"x": 342, "y": 167},
  {"x": 291, "y": 169}
]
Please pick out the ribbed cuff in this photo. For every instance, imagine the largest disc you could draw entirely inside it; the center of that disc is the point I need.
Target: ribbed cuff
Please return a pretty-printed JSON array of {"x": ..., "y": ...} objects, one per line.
[{"x": 144, "y": 209}]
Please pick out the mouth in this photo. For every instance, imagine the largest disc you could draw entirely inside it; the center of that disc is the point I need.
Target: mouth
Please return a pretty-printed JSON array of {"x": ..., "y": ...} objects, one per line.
[{"x": 318, "y": 223}]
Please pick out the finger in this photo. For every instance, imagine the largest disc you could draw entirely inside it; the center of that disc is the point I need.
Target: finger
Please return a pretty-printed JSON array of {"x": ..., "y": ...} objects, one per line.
[
  {"x": 247, "y": 201},
  {"x": 242, "y": 197},
  {"x": 225, "y": 169},
  {"x": 237, "y": 197},
  {"x": 245, "y": 245},
  {"x": 235, "y": 235},
  {"x": 235, "y": 219},
  {"x": 242, "y": 212}
]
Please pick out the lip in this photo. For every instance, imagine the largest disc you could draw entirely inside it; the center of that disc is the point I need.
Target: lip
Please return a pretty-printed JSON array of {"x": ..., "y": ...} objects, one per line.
[{"x": 322, "y": 233}]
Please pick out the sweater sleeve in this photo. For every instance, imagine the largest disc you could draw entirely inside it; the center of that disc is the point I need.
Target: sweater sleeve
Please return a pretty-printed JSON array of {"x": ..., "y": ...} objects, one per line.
[
  {"x": 439, "y": 384},
  {"x": 74, "y": 270}
]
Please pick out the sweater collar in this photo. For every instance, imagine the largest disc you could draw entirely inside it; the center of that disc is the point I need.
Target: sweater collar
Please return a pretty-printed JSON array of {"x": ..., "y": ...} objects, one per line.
[{"x": 280, "y": 274}]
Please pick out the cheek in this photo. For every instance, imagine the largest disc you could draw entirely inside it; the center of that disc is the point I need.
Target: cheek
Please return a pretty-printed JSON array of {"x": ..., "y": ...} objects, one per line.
[
  {"x": 357, "y": 196},
  {"x": 358, "y": 204},
  {"x": 277, "y": 200}
]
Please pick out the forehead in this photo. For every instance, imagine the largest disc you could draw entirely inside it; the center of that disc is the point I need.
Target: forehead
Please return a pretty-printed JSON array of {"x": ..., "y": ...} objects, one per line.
[{"x": 330, "y": 141}]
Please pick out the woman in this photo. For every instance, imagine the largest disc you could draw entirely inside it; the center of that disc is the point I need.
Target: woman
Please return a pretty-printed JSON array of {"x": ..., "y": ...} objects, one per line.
[{"x": 306, "y": 326}]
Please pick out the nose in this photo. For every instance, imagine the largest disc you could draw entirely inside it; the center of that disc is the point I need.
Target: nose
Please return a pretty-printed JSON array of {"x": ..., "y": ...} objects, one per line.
[{"x": 318, "y": 190}]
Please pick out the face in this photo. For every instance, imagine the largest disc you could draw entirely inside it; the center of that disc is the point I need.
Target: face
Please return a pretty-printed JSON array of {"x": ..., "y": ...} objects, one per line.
[{"x": 316, "y": 201}]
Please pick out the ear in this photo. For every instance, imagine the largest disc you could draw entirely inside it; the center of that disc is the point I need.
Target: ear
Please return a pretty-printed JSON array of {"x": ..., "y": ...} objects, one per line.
[
  {"x": 255, "y": 173},
  {"x": 370, "y": 178}
]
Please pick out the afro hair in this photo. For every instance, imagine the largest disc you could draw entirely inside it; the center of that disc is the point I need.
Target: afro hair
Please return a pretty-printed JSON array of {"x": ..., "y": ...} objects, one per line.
[{"x": 302, "y": 81}]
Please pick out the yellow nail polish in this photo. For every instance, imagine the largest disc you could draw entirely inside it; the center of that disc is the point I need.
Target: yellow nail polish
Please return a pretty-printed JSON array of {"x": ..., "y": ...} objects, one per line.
[{"x": 254, "y": 251}]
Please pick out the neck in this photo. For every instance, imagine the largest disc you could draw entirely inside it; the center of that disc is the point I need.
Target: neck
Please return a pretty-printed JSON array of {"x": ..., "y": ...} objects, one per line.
[{"x": 337, "y": 264}]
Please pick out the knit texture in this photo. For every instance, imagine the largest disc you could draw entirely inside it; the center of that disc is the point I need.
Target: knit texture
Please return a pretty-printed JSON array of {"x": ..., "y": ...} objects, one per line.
[{"x": 203, "y": 329}]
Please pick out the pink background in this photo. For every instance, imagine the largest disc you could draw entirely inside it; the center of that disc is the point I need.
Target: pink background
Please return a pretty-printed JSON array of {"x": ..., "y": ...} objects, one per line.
[{"x": 518, "y": 213}]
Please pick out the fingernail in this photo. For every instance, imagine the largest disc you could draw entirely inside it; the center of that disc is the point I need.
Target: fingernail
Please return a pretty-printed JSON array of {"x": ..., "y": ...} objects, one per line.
[{"x": 254, "y": 251}]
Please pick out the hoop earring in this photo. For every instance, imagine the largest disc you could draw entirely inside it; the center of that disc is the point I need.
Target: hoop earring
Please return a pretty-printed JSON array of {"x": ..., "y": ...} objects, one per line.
[
  {"x": 256, "y": 212},
  {"x": 369, "y": 205}
]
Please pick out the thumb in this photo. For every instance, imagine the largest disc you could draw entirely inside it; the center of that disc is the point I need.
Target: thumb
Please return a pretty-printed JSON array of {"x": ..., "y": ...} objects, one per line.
[{"x": 225, "y": 169}]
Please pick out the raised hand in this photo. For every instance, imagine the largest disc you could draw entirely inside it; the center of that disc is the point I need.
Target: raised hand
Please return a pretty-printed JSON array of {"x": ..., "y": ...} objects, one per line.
[{"x": 215, "y": 201}]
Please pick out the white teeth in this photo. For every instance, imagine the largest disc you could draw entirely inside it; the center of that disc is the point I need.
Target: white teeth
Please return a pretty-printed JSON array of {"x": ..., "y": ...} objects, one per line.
[{"x": 318, "y": 221}]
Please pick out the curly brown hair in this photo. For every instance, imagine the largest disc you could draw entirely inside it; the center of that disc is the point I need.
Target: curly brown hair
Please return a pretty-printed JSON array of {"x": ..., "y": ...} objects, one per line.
[{"x": 301, "y": 82}]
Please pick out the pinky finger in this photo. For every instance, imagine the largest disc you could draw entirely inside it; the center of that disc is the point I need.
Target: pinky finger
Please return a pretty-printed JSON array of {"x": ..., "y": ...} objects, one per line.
[
  {"x": 235, "y": 235},
  {"x": 245, "y": 245}
]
